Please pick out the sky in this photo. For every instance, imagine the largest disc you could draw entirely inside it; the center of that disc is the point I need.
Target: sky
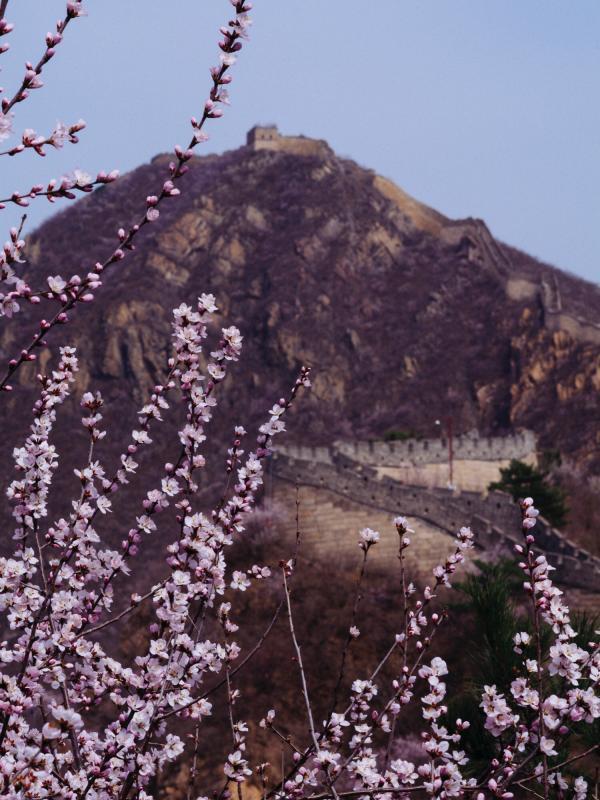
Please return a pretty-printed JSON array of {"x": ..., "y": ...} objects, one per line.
[{"x": 485, "y": 108}]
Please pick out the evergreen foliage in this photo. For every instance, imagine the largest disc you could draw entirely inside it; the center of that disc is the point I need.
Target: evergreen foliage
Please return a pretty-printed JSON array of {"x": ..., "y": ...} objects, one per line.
[
  {"x": 523, "y": 480},
  {"x": 492, "y": 660},
  {"x": 489, "y": 601}
]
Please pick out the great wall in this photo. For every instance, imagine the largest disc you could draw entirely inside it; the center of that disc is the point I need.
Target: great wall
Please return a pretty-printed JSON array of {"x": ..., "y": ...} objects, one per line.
[
  {"x": 485, "y": 251},
  {"x": 351, "y": 485},
  {"x": 473, "y": 234}
]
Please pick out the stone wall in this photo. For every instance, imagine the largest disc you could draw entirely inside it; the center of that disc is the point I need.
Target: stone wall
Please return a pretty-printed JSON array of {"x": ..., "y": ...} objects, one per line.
[
  {"x": 468, "y": 475},
  {"x": 557, "y": 318},
  {"x": 494, "y": 518},
  {"x": 329, "y": 525},
  {"x": 519, "y": 289},
  {"x": 482, "y": 248},
  {"x": 477, "y": 461},
  {"x": 468, "y": 447},
  {"x": 485, "y": 251}
]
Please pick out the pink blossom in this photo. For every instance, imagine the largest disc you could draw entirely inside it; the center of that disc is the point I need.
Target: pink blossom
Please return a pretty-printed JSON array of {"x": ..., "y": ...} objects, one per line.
[{"x": 5, "y": 126}]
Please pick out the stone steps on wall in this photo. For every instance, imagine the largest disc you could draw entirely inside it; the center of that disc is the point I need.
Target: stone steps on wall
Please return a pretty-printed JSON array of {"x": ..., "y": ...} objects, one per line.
[
  {"x": 494, "y": 519},
  {"x": 330, "y": 527}
]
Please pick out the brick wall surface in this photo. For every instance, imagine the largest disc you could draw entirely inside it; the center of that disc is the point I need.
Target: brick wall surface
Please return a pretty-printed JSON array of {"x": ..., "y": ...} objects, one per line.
[
  {"x": 330, "y": 526},
  {"x": 339, "y": 498}
]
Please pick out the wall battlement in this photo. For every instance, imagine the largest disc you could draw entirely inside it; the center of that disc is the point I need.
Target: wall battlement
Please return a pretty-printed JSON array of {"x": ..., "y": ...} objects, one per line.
[
  {"x": 483, "y": 249},
  {"x": 468, "y": 447},
  {"x": 556, "y": 318},
  {"x": 477, "y": 460}
]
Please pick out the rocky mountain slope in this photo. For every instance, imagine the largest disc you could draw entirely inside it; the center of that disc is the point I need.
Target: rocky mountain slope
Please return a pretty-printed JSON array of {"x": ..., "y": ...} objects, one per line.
[{"x": 404, "y": 315}]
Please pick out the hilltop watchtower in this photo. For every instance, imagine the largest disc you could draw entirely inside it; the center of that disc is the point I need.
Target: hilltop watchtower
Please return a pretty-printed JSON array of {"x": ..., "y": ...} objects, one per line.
[
  {"x": 267, "y": 137},
  {"x": 263, "y": 137}
]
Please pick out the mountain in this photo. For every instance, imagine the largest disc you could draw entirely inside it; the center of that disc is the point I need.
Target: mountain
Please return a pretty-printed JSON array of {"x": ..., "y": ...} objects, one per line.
[{"x": 405, "y": 315}]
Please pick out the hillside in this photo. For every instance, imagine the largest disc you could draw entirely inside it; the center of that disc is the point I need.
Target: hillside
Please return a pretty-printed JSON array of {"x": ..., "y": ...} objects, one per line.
[{"x": 404, "y": 315}]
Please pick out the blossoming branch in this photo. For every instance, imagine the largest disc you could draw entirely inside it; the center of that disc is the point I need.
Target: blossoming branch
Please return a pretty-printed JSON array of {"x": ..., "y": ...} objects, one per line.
[{"x": 80, "y": 289}]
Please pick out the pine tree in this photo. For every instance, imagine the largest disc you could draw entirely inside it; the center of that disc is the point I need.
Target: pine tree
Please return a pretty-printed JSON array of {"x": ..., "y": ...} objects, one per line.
[{"x": 523, "y": 480}]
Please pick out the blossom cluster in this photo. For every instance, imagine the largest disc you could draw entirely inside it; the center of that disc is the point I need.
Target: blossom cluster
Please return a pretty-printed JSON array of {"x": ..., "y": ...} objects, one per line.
[
  {"x": 56, "y": 671},
  {"x": 57, "y": 591}
]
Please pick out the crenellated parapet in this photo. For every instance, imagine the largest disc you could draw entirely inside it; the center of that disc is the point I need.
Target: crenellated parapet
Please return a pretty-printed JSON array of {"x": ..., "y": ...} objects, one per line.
[
  {"x": 477, "y": 460},
  {"x": 468, "y": 447},
  {"x": 557, "y": 318},
  {"x": 482, "y": 248}
]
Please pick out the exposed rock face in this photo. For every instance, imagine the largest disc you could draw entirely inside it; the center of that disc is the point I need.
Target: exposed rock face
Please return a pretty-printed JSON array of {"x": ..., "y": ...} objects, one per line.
[{"x": 404, "y": 315}]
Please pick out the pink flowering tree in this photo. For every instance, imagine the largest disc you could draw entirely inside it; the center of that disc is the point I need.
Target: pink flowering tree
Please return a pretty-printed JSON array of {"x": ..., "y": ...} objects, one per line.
[{"x": 58, "y": 598}]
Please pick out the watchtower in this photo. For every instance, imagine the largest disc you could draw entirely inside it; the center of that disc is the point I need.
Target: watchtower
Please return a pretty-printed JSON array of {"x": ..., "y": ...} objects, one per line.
[{"x": 263, "y": 137}]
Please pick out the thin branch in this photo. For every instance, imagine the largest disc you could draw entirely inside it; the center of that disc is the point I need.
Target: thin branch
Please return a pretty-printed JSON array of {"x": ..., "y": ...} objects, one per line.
[
  {"x": 403, "y": 544},
  {"x": 368, "y": 792},
  {"x": 194, "y": 768},
  {"x": 309, "y": 714},
  {"x": 123, "y": 613},
  {"x": 585, "y": 753},
  {"x": 285, "y": 739},
  {"x": 349, "y": 636},
  {"x": 530, "y": 790}
]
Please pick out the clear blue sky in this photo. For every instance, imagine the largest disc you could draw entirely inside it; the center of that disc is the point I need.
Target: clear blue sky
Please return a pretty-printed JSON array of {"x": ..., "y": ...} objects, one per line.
[{"x": 487, "y": 108}]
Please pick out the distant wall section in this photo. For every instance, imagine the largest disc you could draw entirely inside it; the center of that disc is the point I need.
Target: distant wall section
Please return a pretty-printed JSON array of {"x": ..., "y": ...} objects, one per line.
[
  {"x": 330, "y": 524},
  {"x": 267, "y": 137},
  {"x": 483, "y": 250}
]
